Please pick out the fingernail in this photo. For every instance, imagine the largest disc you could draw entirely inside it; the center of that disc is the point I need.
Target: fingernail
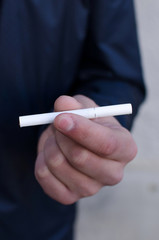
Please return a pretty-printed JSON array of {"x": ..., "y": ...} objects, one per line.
[{"x": 65, "y": 123}]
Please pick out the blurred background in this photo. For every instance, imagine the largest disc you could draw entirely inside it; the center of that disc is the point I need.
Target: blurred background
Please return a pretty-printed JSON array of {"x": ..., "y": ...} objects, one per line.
[{"x": 130, "y": 210}]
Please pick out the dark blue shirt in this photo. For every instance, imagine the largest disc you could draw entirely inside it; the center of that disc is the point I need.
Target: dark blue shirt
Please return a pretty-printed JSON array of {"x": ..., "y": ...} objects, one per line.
[{"x": 49, "y": 48}]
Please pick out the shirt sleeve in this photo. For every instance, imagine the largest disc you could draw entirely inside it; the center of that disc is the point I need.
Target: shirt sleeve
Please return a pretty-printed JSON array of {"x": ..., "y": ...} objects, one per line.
[{"x": 110, "y": 71}]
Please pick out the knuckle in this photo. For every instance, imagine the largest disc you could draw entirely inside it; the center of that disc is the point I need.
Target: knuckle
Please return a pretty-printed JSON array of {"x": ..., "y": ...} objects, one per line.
[
  {"x": 67, "y": 197},
  {"x": 116, "y": 177},
  {"x": 109, "y": 147},
  {"x": 130, "y": 146},
  {"x": 130, "y": 149},
  {"x": 88, "y": 190},
  {"x": 55, "y": 161},
  {"x": 69, "y": 200},
  {"x": 79, "y": 157},
  {"x": 133, "y": 151},
  {"x": 53, "y": 157},
  {"x": 41, "y": 173}
]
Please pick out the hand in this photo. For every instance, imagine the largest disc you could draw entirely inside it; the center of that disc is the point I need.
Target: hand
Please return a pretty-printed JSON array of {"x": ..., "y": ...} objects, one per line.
[{"x": 78, "y": 156}]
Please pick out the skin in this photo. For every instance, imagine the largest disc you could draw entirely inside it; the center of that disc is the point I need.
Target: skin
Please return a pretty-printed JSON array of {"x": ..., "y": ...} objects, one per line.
[{"x": 77, "y": 156}]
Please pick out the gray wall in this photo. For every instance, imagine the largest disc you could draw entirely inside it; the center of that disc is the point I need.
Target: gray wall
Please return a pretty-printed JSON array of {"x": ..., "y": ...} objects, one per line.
[
  {"x": 146, "y": 127},
  {"x": 130, "y": 210}
]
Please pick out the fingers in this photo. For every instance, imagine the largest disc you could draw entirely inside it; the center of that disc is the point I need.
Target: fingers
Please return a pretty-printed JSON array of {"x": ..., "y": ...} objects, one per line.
[
  {"x": 113, "y": 143},
  {"x": 58, "y": 178},
  {"x": 69, "y": 103},
  {"x": 50, "y": 184},
  {"x": 105, "y": 171}
]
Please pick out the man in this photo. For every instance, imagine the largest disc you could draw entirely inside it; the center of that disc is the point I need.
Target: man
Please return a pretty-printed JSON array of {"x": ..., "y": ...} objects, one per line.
[{"x": 51, "y": 50}]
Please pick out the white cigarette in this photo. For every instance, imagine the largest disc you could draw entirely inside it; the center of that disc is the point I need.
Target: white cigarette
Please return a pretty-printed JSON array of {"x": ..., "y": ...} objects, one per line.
[{"x": 47, "y": 118}]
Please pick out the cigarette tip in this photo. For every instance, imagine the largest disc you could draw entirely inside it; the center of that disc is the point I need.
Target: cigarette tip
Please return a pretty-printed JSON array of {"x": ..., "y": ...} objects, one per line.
[{"x": 19, "y": 121}]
